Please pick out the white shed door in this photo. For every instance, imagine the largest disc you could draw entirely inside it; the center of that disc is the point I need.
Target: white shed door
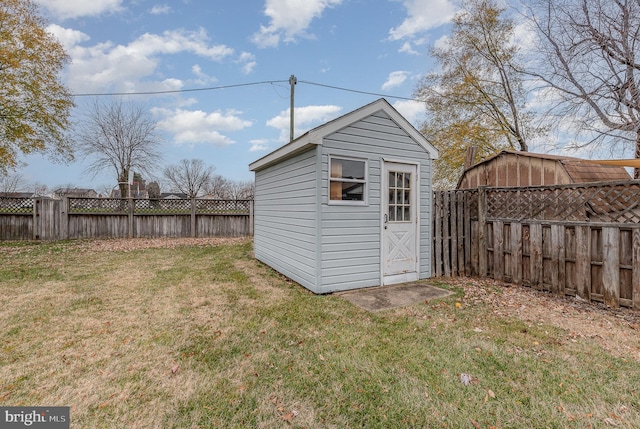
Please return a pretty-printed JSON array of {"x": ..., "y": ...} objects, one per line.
[{"x": 400, "y": 223}]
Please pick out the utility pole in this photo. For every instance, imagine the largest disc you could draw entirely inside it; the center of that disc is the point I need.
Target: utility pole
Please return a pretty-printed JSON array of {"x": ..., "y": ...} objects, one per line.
[{"x": 292, "y": 81}]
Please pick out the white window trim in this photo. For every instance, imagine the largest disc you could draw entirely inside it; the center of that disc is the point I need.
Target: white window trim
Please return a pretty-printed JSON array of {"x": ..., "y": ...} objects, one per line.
[{"x": 365, "y": 191}]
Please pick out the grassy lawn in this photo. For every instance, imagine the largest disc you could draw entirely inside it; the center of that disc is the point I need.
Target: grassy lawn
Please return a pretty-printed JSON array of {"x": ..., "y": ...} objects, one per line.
[{"x": 204, "y": 336}]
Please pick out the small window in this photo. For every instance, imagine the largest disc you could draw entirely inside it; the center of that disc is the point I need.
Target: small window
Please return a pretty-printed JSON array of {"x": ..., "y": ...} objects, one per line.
[
  {"x": 348, "y": 180},
  {"x": 399, "y": 197}
]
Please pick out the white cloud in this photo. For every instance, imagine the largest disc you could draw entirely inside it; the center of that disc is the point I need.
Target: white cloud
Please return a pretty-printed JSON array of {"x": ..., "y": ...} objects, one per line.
[
  {"x": 304, "y": 118},
  {"x": 106, "y": 66},
  {"x": 289, "y": 19},
  {"x": 196, "y": 126},
  {"x": 395, "y": 79},
  {"x": 442, "y": 43},
  {"x": 67, "y": 36},
  {"x": 413, "y": 111},
  {"x": 202, "y": 77},
  {"x": 259, "y": 145},
  {"x": 248, "y": 62},
  {"x": 77, "y": 8},
  {"x": 422, "y": 16},
  {"x": 160, "y": 9}
]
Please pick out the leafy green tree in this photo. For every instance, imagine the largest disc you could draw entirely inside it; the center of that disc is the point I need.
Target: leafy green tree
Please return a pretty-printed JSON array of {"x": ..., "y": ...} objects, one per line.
[
  {"x": 477, "y": 96},
  {"x": 34, "y": 104}
]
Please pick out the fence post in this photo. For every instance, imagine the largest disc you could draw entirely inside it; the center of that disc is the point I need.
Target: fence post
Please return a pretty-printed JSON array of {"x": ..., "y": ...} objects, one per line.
[
  {"x": 635, "y": 273},
  {"x": 583, "y": 261},
  {"x": 516, "y": 253},
  {"x": 251, "y": 202},
  {"x": 465, "y": 218},
  {"x": 193, "y": 217},
  {"x": 36, "y": 217},
  {"x": 437, "y": 233},
  {"x": 498, "y": 250},
  {"x": 482, "y": 231},
  {"x": 130, "y": 217},
  {"x": 611, "y": 266},
  {"x": 446, "y": 235},
  {"x": 63, "y": 219},
  {"x": 535, "y": 255}
]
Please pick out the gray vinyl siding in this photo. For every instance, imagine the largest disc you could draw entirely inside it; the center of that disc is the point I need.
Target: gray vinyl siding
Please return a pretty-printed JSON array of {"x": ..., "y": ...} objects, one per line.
[
  {"x": 350, "y": 234},
  {"x": 285, "y": 232},
  {"x": 426, "y": 216}
]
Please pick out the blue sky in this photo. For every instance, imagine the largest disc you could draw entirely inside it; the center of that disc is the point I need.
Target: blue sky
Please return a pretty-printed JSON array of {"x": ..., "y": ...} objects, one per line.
[{"x": 377, "y": 46}]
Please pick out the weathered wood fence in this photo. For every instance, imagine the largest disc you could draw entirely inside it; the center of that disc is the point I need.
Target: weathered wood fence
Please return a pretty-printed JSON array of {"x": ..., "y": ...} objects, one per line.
[
  {"x": 74, "y": 218},
  {"x": 579, "y": 240}
]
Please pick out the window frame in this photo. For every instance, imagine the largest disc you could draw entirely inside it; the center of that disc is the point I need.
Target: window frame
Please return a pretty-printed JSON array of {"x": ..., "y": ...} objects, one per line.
[{"x": 364, "y": 182}]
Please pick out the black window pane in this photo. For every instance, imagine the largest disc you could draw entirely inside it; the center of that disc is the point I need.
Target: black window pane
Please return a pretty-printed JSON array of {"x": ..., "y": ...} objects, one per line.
[{"x": 352, "y": 169}]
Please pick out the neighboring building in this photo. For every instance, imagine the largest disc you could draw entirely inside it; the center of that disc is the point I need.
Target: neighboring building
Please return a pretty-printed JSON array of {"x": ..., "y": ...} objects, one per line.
[
  {"x": 513, "y": 168},
  {"x": 74, "y": 192},
  {"x": 348, "y": 204},
  {"x": 174, "y": 196}
]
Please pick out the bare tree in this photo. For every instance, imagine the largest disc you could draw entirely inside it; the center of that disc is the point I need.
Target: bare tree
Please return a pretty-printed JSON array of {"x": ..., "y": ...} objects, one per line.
[
  {"x": 119, "y": 137},
  {"x": 241, "y": 190},
  {"x": 219, "y": 188},
  {"x": 39, "y": 189},
  {"x": 189, "y": 176},
  {"x": 11, "y": 182},
  {"x": 590, "y": 59}
]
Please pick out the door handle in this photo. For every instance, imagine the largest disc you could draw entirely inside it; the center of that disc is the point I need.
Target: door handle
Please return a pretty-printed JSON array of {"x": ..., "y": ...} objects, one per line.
[{"x": 386, "y": 220}]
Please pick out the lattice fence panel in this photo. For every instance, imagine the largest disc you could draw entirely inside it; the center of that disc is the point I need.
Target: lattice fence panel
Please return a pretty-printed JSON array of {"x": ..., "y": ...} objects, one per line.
[
  {"x": 239, "y": 207},
  {"x": 616, "y": 202},
  {"x": 149, "y": 206},
  {"x": 16, "y": 205},
  {"x": 98, "y": 205}
]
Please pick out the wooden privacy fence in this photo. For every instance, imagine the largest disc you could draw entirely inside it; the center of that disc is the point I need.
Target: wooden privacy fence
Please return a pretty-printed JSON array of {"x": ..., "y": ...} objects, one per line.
[
  {"x": 74, "y": 218},
  {"x": 579, "y": 240}
]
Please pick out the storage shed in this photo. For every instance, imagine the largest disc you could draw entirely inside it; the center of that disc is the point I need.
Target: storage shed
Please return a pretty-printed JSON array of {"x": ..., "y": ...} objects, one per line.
[
  {"x": 348, "y": 204},
  {"x": 512, "y": 168}
]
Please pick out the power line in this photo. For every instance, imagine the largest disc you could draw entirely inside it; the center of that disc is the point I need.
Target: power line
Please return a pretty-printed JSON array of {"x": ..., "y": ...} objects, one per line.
[
  {"x": 270, "y": 82},
  {"x": 174, "y": 91},
  {"x": 359, "y": 92}
]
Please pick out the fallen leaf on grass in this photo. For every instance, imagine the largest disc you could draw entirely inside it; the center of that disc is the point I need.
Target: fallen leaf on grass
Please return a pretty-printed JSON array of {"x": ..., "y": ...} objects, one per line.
[
  {"x": 175, "y": 368},
  {"x": 290, "y": 416},
  {"x": 475, "y": 424}
]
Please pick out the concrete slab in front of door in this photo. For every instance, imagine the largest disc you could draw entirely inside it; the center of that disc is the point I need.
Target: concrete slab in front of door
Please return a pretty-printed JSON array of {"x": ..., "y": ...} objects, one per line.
[{"x": 388, "y": 297}]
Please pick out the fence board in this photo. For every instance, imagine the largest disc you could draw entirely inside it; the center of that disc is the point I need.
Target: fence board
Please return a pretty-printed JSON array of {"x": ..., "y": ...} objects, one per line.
[
  {"x": 516, "y": 252},
  {"x": 462, "y": 236},
  {"x": 581, "y": 240},
  {"x": 446, "y": 251},
  {"x": 498, "y": 251},
  {"x": 86, "y": 218},
  {"x": 636, "y": 269},
  {"x": 611, "y": 266},
  {"x": 583, "y": 262},
  {"x": 535, "y": 256},
  {"x": 453, "y": 203},
  {"x": 438, "y": 240}
]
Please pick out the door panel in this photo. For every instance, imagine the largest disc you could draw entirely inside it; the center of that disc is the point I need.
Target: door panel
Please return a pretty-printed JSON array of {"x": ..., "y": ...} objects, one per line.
[{"x": 400, "y": 223}]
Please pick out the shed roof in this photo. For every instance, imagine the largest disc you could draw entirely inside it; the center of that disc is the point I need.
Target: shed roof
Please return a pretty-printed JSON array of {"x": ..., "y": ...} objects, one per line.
[
  {"x": 316, "y": 135},
  {"x": 579, "y": 170}
]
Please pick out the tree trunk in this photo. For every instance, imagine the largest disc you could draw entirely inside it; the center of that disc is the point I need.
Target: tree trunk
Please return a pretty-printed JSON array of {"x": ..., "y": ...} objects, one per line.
[{"x": 636, "y": 170}]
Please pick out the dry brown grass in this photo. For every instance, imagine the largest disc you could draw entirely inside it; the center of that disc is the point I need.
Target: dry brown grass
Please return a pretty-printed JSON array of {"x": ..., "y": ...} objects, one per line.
[
  {"x": 106, "y": 338},
  {"x": 191, "y": 333}
]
